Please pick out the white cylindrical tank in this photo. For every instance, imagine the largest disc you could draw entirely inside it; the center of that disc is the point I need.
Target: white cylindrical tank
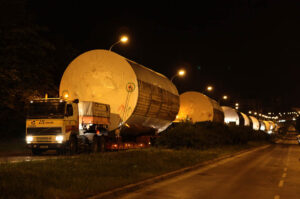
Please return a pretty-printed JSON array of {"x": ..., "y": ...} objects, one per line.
[
  {"x": 263, "y": 126},
  {"x": 272, "y": 125},
  {"x": 255, "y": 123},
  {"x": 139, "y": 97},
  {"x": 230, "y": 115},
  {"x": 246, "y": 119},
  {"x": 268, "y": 126},
  {"x": 276, "y": 127},
  {"x": 197, "y": 107}
]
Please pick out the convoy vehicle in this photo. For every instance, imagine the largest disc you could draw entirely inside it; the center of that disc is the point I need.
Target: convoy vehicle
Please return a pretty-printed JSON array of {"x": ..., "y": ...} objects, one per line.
[
  {"x": 135, "y": 103},
  {"x": 71, "y": 126},
  {"x": 55, "y": 123}
]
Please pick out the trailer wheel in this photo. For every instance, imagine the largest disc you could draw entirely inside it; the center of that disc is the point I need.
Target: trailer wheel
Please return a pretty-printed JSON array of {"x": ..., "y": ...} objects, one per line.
[
  {"x": 95, "y": 145},
  {"x": 71, "y": 146},
  {"x": 102, "y": 144},
  {"x": 82, "y": 144},
  {"x": 59, "y": 151}
]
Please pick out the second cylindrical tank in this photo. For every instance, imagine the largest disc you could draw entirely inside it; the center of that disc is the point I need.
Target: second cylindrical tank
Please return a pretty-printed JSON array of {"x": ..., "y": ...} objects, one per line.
[{"x": 197, "y": 107}]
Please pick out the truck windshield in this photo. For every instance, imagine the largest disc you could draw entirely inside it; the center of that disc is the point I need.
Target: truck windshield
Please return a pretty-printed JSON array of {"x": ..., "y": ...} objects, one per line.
[{"x": 46, "y": 109}]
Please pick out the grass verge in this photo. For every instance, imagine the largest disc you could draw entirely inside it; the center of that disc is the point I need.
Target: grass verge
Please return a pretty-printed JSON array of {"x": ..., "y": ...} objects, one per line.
[
  {"x": 87, "y": 175},
  {"x": 13, "y": 147}
]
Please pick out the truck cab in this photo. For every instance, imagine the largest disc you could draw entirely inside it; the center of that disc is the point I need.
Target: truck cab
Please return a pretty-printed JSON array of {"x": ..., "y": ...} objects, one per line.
[{"x": 52, "y": 123}]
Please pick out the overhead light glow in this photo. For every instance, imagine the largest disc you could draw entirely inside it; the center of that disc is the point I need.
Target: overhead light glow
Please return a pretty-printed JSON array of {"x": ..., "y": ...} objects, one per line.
[
  {"x": 209, "y": 88},
  {"x": 181, "y": 72},
  {"x": 124, "y": 39}
]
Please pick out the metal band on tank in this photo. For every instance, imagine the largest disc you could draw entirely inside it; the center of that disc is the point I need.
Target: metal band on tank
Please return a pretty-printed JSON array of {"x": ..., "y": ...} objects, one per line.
[{"x": 154, "y": 102}]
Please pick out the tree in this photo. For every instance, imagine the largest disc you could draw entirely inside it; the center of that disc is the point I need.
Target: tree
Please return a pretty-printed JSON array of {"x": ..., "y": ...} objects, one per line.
[{"x": 27, "y": 63}]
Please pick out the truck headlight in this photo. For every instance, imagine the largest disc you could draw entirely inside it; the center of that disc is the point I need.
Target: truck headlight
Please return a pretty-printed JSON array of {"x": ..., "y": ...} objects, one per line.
[
  {"x": 29, "y": 139},
  {"x": 59, "y": 138}
]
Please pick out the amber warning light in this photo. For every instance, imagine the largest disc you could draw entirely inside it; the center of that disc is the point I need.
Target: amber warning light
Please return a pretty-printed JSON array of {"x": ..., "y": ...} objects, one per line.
[{"x": 65, "y": 95}]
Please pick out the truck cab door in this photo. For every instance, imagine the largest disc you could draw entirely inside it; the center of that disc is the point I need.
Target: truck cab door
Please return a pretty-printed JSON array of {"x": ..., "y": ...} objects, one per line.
[{"x": 71, "y": 119}]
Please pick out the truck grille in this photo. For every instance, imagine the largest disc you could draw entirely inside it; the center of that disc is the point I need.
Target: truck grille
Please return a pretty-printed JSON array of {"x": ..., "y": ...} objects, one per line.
[
  {"x": 43, "y": 139},
  {"x": 44, "y": 131}
]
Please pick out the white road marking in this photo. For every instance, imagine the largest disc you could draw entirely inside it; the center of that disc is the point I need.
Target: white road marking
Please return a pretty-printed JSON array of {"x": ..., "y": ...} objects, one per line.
[
  {"x": 283, "y": 175},
  {"x": 285, "y": 169},
  {"x": 280, "y": 183}
]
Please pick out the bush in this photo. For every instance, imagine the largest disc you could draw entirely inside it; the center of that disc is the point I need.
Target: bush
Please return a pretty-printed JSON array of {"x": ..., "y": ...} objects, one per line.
[{"x": 206, "y": 135}]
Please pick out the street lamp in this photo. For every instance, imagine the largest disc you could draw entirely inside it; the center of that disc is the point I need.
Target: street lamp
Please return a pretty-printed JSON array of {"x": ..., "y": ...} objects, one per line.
[
  {"x": 123, "y": 39},
  {"x": 209, "y": 88},
  {"x": 225, "y": 97},
  {"x": 179, "y": 73}
]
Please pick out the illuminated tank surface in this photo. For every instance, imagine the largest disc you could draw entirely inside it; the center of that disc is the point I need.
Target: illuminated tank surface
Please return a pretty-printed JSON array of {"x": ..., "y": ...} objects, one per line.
[
  {"x": 263, "y": 126},
  {"x": 268, "y": 126},
  {"x": 196, "y": 107},
  {"x": 246, "y": 119},
  {"x": 230, "y": 115},
  {"x": 139, "y": 98},
  {"x": 255, "y": 123},
  {"x": 272, "y": 125}
]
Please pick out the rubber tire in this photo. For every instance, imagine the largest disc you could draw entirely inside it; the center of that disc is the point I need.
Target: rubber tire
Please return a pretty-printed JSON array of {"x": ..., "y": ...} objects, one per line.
[
  {"x": 102, "y": 144},
  {"x": 59, "y": 152},
  {"x": 71, "y": 147},
  {"x": 95, "y": 145}
]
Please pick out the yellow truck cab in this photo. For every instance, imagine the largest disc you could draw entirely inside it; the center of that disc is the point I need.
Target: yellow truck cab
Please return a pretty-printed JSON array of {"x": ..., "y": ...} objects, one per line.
[{"x": 52, "y": 123}]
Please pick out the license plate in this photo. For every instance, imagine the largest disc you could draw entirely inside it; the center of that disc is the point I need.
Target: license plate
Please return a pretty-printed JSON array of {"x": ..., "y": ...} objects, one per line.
[{"x": 44, "y": 147}]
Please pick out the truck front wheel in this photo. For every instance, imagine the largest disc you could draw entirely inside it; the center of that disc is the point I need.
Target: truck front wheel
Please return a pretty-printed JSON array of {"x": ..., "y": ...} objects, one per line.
[{"x": 71, "y": 146}]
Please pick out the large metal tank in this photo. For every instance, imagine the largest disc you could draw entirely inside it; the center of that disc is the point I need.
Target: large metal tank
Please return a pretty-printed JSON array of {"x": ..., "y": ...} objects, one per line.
[
  {"x": 255, "y": 123},
  {"x": 272, "y": 125},
  {"x": 231, "y": 115},
  {"x": 268, "y": 126},
  {"x": 263, "y": 126},
  {"x": 140, "y": 98},
  {"x": 196, "y": 107},
  {"x": 246, "y": 119}
]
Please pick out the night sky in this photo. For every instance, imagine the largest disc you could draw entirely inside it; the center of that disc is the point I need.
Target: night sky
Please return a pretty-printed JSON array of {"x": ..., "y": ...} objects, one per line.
[{"x": 245, "y": 49}]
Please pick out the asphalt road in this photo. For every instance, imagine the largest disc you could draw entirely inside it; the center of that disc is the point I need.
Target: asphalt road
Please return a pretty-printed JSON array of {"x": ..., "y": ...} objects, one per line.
[{"x": 271, "y": 173}]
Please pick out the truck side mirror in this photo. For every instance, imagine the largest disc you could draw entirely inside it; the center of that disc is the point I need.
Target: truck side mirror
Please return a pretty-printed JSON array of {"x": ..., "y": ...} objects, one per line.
[
  {"x": 69, "y": 111},
  {"x": 76, "y": 101}
]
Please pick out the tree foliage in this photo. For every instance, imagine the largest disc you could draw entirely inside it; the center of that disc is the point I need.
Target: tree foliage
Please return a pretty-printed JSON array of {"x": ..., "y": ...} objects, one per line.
[
  {"x": 30, "y": 64},
  {"x": 207, "y": 134}
]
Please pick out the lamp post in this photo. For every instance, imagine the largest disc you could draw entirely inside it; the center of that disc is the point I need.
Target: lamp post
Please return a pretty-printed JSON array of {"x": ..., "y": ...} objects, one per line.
[
  {"x": 237, "y": 106},
  {"x": 179, "y": 73},
  {"x": 224, "y": 97},
  {"x": 208, "y": 91},
  {"x": 123, "y": 39},
  {"x": 209, "y": 88}
]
